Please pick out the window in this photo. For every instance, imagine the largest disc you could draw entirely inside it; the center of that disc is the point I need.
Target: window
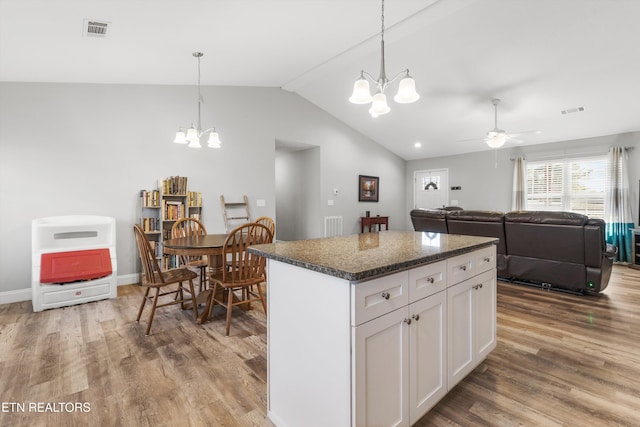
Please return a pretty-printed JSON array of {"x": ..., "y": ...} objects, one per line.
[{"x": 574, "y": 185}]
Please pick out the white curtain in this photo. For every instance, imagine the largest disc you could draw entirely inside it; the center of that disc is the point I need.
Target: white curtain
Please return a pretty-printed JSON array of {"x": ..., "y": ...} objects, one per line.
[
  {"x": 519, "y": 199},
  {"x": 618, "y": 214}
]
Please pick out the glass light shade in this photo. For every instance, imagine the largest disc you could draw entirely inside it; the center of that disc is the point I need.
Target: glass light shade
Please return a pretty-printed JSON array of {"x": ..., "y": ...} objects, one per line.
[
  {"x": 214, "y": 140},
  {"x": 181, "y": 138},
  {"x": 406, "y": 91},
  {"x": 379, "y": 105},
  {"x": 194, "y": 143},
  {"x": 192, "y": 135},
  {"x": 361, "y": 93},
  {"x": 496, "y": 138}
]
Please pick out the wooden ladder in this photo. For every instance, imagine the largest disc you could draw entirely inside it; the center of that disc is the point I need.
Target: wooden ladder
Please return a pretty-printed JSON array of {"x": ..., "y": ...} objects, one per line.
[{"x": 234, "y": 213}]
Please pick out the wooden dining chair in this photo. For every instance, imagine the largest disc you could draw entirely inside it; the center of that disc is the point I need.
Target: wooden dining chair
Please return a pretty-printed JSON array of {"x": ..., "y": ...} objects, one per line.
[
  {"x": 161, "y": 281},
  {"x": 234, "y": 286},
  {"x": 192, "y": 227},
  {"x": 268, "y": 222}
]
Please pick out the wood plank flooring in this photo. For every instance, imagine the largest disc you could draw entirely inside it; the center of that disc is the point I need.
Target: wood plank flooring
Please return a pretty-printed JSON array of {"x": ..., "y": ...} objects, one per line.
[{"x": 561, "y": 360}]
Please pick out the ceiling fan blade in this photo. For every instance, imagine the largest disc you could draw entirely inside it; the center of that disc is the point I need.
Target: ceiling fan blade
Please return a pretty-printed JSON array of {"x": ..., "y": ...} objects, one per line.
[
  {"x": 526, "y": 132},
  {"x": 515, "y": 140}
]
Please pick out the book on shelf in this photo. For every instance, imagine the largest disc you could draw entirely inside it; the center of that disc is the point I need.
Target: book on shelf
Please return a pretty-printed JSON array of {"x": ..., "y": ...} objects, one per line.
[
  {"x": 150, "y": 198},
  {"x": 173, "y": 210},
  {"x": 174, "y": 185},
  {"x": 150, "y": 224},
  {"x": 195, "y": 199}
]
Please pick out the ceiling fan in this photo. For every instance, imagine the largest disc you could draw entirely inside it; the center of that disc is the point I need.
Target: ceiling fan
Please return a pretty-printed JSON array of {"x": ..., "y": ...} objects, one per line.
[{"x": 496, "y": 137}]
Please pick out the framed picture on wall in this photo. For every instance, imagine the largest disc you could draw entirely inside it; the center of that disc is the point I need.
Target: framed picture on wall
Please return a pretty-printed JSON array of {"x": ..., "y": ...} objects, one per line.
[{"x": 368, "y": 188}]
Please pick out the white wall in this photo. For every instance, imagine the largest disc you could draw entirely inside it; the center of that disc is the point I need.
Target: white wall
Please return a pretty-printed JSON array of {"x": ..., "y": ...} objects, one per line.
[
  {"x": 89, "y": 149},
  {"x": 485, "y": 187}
]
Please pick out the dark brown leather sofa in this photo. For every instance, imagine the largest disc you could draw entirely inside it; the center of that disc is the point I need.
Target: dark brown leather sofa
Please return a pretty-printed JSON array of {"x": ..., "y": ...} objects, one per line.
[{"x": 558, "y": 250}]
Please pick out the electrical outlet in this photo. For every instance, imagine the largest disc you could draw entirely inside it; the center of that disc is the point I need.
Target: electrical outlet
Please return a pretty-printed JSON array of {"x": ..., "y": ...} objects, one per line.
[
  {"x": 330, "y": 202},
  {"x": 261, "y": 202}
]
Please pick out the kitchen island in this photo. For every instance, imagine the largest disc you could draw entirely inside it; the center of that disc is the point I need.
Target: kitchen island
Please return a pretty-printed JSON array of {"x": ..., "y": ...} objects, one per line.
[{"x": 374, "y": 329}]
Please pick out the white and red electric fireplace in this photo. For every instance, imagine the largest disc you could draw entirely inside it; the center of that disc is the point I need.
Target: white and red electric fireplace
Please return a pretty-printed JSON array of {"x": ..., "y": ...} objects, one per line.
[{"x": 73, "y": 260}]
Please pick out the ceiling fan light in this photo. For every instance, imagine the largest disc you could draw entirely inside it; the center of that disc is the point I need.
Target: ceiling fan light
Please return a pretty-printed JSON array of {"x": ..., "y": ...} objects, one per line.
[
  {"x": 496, "y": 138},
  {"x": 214, "y": 140},
  {"x": 379, "y": 105},
  {"x": 406, "y": 91},
  {"x": 181, "y": 138},
  {"x": 361, "y": 93}
]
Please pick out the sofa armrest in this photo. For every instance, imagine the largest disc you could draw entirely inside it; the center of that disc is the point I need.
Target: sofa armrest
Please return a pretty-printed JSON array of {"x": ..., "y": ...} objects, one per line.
[{"x": 611, "y": 251}]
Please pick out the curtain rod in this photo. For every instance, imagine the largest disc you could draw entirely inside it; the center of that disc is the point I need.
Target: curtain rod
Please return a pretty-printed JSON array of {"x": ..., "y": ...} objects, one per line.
[{"x": 513, "y": 159}]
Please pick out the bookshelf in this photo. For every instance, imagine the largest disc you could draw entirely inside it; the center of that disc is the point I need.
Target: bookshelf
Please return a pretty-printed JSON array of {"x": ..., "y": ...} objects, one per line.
[{"x": 161, "y": 208}]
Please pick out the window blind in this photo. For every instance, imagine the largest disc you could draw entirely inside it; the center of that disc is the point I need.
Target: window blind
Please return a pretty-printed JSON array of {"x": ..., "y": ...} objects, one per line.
[{"x": 570, "y": 184}]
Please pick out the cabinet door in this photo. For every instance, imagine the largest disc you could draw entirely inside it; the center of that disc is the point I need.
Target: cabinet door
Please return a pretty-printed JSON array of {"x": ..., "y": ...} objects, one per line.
[
  {"x": 471, "y": 317},
  {"x": 485, "y": 313},
  {"x": 427, "y": 348},
  {"x": 381, "y": 371},
  {"x": 460, "y": 343}
]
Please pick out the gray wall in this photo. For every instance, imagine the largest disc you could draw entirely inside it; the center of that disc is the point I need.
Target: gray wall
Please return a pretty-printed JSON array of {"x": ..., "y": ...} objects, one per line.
[
  {"x": 89, "y": 149},
  {"x": 298, "y": 194},
  {"x": 486, "y": 187}
]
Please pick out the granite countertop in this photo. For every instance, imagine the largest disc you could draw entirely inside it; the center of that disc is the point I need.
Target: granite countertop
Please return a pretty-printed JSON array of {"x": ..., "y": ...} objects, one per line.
[{"x": 364, "y": 256}]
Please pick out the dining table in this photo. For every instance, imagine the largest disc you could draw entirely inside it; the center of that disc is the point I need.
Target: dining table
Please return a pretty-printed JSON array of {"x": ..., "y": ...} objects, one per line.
[{"x": 209, "y": 245}]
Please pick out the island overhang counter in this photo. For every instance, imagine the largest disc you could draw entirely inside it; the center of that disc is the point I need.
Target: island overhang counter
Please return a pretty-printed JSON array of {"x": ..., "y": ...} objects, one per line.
[{"x": 374, "y": 329}]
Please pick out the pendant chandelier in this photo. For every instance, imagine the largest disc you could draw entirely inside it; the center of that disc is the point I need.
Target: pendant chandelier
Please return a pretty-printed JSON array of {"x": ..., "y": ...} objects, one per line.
[
  {"x": 362, "y": 95},
  {"x": 193, "y": 134}
]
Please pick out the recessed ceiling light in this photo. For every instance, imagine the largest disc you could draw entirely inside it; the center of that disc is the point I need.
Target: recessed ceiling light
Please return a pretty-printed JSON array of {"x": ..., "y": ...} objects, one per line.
[{"x": 417, "y": 144}]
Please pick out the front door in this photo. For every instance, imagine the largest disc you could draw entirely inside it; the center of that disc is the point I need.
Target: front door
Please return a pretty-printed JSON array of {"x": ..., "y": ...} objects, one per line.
[{"x": 431, "y": 189}]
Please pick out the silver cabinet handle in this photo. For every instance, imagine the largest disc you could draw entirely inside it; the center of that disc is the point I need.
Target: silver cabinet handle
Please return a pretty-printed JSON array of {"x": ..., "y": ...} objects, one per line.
[
  {"x": 463, "y": 267},
  {"x": 487, "y": 259},
  {"x": 415, "y": 317},
  {"x": 407, "y": 321},
  {"x": 430, "y": 279},
  {"x": 385, "y": 295}
]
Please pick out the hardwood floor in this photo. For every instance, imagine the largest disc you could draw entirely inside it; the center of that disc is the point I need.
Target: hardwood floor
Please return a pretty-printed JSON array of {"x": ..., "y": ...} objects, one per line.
[{"x": 560, "y": 360}]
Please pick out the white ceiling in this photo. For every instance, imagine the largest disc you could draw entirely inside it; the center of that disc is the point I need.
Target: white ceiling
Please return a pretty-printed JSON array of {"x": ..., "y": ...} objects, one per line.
[{"x": 539, "y": 57}]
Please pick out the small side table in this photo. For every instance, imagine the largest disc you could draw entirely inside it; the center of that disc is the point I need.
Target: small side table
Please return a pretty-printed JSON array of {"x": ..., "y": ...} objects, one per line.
[{"x": 372, "y": 221}]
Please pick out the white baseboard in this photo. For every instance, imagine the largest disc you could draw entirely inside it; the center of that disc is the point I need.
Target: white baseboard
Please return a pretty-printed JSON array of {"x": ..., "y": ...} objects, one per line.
[{"x": 20, "y": 295}]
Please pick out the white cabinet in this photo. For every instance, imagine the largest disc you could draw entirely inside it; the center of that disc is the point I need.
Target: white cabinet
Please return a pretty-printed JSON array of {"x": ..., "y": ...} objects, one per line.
[
  {"x": 381, "y": 371},
  {"x": 381, "y": 352},
  {"x": 399, "y": 358},
  {"x": 427, "y": 354},
  {"x": 406, "y": 360},
  {"x": 471, "y": 323}
]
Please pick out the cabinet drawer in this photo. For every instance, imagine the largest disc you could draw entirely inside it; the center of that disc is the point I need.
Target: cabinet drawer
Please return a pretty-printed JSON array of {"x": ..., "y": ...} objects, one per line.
[
  {"x": 485, "y": 259},
  {"x": 376, "y": 297},
  {"x": 460, "y": 268},
  {"x": 75, "y": 294},
  {"x": 427, "y": 280}
]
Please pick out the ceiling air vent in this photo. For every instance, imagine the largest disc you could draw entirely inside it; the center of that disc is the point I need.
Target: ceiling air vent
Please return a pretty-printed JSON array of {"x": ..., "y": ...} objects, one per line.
[
  {"x": 95, "y": 28},
  {"x": 573, "y": 110}
]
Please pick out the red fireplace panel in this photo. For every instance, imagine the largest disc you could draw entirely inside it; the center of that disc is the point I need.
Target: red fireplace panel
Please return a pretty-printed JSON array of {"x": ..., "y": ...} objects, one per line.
[{"x": 65, "y": 267}]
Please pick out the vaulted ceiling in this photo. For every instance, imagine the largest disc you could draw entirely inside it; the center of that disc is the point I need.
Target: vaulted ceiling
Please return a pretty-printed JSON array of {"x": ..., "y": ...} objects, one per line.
[{"x": 539, "y": 57}]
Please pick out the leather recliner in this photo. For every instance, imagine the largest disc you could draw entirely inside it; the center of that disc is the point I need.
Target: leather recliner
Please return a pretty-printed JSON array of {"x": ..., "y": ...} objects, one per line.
[{"x": 561, "y": 250}]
